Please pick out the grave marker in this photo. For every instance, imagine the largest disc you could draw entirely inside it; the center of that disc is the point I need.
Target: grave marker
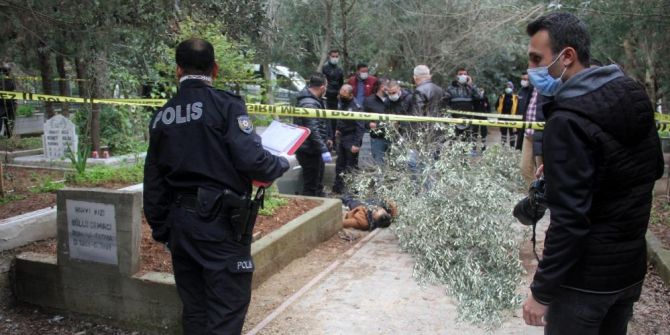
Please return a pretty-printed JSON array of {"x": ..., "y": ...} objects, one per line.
[
  {"x": 59, "y": 134},
  {"x": 92, "y": 231}
]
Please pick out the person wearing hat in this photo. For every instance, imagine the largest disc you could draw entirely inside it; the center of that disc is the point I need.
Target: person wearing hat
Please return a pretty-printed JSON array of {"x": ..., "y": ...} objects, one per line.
[
  {"x": 507, "y": 104},
  {"x": 368, "y": 216}
]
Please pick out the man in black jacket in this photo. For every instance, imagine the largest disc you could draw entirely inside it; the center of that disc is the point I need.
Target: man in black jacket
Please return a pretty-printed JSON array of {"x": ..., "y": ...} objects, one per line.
[
  {"x": 350, "y": 133},
  {"x": 314, "y": 152},
  {"x": 377, "y": 103},
  {"x": 335, "y": 78},
  {"x": 463, "y": 95},
  {"x": 602, "y": 156},
  {"x": 203, "y": 154}
]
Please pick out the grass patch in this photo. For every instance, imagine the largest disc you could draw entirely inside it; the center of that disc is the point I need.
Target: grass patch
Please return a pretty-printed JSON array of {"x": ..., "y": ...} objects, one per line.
[
  {"x": 272, "y": 202},
  {"x": 23, "y": 143},
  {"x": 98, "y": 175},
  {"x": 48, "y": 185},
  {"x": 660, "y": 211},
  {"x": 10, "y": 198}
]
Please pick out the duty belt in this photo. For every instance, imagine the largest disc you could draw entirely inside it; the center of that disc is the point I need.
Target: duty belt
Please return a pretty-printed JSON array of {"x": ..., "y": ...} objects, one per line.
[{"x": 187, "y": 201}]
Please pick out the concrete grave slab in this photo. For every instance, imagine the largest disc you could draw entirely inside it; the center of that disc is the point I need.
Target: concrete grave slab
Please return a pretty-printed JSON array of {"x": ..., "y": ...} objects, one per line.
[{"x": 98, "y": 287}]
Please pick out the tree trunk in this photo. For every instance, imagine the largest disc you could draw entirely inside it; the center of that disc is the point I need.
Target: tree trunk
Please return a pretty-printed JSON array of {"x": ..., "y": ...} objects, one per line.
[
  {"x": 345, "y": 11},
  {"x": 631, "y": 61},
  {"x": 63, "y": 84},
  {"x": 269, "y": 94},
  {"x": 100, "y": 71},
  {"x": 325, "y": 47},
  {"x": 80, "y": 68},
  {"x": 45, "y": 71},
  {"x": 82, "y": 85},
  {"x": 2, "y": 184}
]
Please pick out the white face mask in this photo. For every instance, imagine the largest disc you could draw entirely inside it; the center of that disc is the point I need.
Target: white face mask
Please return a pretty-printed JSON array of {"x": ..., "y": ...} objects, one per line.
[
  {"x": 394, "y": 97},
  {"x": 334, "y": 60},
  {"x": 463, "y": 79},
  {"x": 524, "y": 83},
  {"x": 363, "y": 75},
  {"x": 508, "y": 90}
]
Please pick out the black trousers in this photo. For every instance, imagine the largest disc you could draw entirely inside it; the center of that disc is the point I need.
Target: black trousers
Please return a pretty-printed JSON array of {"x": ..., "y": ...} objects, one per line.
[
  {"x": 574, "y": 312},
  {"x": 312, "y": 173},
  {"x": 212, "y": 271},
  {"x": 345, "y": 163}
]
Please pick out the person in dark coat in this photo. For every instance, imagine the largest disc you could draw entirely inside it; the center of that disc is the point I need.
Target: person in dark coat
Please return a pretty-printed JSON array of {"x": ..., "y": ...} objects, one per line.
[
  {"x": 350, "y": 133},
  {"x": 203, "y": 155},
  {"x": 428, "y": 98},
  {"x": 399, "y": 103},
  {"x": 463, "y": 95},
  {"x": 602, "y": 156},
  {"x": 314, "y": 152},
  {"x": 7, "y": 106},
  {"x": 377, "y": 104},
  {"x": 335, "y": 78}
]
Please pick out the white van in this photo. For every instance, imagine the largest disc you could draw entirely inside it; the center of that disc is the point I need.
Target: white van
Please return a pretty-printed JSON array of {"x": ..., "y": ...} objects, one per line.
[{"x": 285, "y": 85}]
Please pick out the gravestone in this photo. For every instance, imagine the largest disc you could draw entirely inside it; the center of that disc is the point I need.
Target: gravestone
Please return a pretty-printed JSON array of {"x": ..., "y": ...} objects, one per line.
[
  {"x": 99, "y": 230},
  {"x": 59, "y": 134}
]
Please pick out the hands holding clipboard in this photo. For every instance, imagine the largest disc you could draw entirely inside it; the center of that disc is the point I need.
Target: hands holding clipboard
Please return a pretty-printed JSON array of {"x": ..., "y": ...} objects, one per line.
[{"x": 283, "y": 140}]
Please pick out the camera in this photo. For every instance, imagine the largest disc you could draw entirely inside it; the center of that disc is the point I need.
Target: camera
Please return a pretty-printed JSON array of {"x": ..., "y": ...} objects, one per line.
[{"x": 532, "y": 208}]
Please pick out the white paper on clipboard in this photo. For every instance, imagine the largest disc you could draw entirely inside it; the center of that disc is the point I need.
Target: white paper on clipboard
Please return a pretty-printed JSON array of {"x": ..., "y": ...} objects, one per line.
[{"x": 280, "y": 138}]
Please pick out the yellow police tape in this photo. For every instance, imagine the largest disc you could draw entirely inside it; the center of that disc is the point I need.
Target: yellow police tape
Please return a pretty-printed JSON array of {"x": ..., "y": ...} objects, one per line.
[
  {"x": 287, "y": 110},
  {"x": 487, "y": 115}
]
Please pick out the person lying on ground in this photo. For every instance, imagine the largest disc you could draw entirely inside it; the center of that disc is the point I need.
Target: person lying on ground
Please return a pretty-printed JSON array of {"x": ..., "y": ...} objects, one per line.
[{"x": 368, "y": 216}]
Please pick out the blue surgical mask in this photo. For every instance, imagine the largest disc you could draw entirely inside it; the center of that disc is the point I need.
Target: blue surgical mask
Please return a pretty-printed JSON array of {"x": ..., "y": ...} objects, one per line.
[{"x": 543, "y": 81}]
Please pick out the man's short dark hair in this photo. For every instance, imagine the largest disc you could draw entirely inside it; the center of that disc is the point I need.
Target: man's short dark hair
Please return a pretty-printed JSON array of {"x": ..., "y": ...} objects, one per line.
[
  {"x": 596, "y": 62},
  {"x": 195, "y": 56},
  {"x": 360, "y": 66},
  {"x": 317, "y": 80},
  {"x": 524, "y": 73},
  {"x": 381, "y": 81},
  {"x": 565, "y": 30},
  {"x": 332, "y": 51},
  {"x": 461, "y": 69},
  {"x": 383, "y": 221}
]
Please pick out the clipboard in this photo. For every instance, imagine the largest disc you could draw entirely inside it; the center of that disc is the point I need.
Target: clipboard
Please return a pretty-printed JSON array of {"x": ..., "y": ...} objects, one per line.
[{"x": 281, "y": 138}]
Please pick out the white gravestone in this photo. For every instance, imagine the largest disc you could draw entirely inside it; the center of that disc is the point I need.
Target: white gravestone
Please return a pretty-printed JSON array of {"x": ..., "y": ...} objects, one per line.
[
  {"x": 59, "y": 134},
  {"x": 92, "y": 231}
]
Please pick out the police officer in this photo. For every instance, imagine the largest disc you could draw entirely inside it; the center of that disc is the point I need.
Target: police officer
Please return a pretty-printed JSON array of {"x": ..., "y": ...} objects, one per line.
[
  {"x": 350, "y": 133},
  {"x": 203, "y": 155}
]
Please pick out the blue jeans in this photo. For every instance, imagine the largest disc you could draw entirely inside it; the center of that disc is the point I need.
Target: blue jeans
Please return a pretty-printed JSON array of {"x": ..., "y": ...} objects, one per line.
[
  {"x": 378, "y": 146},
  {"x": 575, "y": 312}
]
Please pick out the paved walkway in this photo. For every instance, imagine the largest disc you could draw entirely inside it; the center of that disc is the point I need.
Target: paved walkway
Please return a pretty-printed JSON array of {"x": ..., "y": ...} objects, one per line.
[{"x": 373, "y": 292}]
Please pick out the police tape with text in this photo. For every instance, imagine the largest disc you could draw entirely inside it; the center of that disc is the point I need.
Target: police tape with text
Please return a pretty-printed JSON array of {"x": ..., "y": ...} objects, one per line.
[{"x": 287, "y": 110}]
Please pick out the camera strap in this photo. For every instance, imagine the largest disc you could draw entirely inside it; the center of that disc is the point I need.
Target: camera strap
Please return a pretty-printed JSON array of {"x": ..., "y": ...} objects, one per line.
[{"x": 534, "y": 243}]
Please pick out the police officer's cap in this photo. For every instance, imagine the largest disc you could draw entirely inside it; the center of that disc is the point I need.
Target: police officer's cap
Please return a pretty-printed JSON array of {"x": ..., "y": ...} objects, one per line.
[{"x": 195, "y": 56}]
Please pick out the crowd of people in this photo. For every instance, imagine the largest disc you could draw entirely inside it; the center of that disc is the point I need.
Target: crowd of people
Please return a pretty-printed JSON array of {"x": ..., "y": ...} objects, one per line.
[{"x": 363, "y": 92}]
